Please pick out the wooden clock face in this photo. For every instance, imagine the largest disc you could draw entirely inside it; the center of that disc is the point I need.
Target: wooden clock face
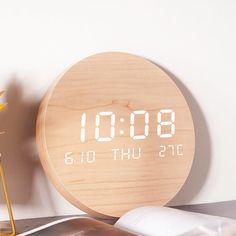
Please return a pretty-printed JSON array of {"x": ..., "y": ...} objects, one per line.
[{"x": 115, "y": 133}]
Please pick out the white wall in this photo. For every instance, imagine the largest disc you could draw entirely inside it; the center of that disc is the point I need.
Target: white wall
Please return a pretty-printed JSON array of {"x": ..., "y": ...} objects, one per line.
[{"x": 195, "y": 41}]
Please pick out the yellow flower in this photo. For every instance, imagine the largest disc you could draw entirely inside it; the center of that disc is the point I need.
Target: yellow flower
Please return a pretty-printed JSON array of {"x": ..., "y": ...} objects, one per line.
[{"x": 2, "y": 105}]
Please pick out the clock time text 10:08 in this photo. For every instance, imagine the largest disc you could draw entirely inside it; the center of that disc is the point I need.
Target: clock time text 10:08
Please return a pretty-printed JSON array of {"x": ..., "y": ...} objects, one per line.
[{"x": 160, "y": 124}]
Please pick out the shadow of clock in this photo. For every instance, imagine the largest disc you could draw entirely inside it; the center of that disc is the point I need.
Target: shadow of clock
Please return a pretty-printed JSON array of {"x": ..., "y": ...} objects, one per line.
[
  {"x": 202, "y": 159},
  {"x": 18, "y": 148}
]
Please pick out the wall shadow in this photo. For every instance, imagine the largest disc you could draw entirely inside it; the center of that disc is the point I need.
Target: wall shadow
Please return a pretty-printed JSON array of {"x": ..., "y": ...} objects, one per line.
[
  {"x": 18, "y": 147},
  {"x": 202, "y": 159}
]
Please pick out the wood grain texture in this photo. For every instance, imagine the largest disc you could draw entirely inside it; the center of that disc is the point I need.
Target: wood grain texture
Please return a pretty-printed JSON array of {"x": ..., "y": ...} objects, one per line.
[{"x": 120, "y": 83}]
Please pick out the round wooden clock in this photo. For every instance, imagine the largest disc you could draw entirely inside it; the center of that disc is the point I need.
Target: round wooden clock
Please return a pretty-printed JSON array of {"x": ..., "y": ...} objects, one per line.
[{"x": 115, "y": 133}]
